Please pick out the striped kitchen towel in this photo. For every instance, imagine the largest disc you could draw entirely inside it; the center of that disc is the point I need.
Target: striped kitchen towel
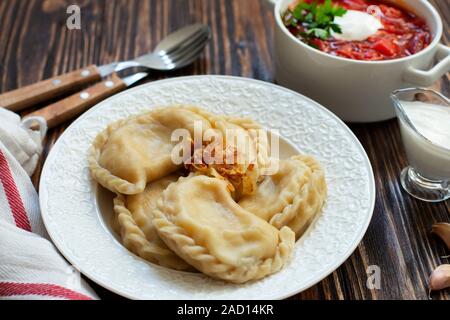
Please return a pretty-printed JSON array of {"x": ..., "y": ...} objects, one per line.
[{"x": 30, "y": 265}]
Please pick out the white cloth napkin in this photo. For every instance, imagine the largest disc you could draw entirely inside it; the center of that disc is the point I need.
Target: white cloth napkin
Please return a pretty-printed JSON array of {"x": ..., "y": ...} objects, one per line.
[{"x": 30, "y": 265}]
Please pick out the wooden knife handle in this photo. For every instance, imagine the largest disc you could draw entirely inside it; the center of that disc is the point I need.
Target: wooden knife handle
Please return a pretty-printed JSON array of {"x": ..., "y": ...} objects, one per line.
[
  {"x": 66, "y": 109},
  {"x": 28, "y": 96}
]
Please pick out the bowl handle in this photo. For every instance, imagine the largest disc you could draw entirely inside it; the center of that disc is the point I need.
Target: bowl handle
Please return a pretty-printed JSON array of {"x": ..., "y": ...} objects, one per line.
[{"x": 428, "y": 77}]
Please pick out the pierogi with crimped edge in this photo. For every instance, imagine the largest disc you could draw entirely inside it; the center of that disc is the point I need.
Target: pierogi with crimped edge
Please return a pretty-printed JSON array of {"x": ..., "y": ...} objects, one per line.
[
  {"x": 199, "y": 220},
  {"x": 134, "y": 219},
  {"x": 244, "y": 152},
  {"x": 292, "y": 197},
  {"x": 235, "y": 220},
  {"x": 132, "y": 152}
]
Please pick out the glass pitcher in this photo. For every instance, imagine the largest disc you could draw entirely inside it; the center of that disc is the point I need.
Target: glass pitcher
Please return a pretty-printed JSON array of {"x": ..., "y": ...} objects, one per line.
[{"x": 424, "y": 119}]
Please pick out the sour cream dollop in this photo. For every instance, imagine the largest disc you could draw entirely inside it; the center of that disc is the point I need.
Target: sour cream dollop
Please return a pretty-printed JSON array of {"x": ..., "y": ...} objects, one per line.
[{"x": 356, "y": 26}]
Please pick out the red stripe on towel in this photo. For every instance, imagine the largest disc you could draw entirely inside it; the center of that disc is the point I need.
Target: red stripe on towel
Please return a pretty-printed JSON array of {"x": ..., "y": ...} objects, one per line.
[
  {"x": 8, "y": 289},
  {"x": 13, "y": 195}
]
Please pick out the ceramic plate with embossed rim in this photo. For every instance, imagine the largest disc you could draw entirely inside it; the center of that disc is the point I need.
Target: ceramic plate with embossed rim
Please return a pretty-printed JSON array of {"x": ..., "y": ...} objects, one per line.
[{"x": 77, "y": 213}]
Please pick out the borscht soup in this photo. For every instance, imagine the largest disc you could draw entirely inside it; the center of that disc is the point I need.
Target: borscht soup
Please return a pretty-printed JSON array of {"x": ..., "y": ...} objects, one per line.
[{"x": 369, "y": 30}]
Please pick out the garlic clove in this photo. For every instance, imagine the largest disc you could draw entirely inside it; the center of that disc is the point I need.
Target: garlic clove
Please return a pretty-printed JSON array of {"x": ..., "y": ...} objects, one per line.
[
  {"x": 440, "y": 278},
  {"x": 443, "y": 231}
]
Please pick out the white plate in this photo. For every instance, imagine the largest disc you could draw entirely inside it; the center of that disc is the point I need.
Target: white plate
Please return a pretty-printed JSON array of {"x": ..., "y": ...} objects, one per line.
[{"x": 77, "y": 219}]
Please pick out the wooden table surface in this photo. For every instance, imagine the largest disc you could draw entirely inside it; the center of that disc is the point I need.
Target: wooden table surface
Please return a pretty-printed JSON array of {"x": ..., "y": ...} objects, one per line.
[{"x": 35, "y": 44}]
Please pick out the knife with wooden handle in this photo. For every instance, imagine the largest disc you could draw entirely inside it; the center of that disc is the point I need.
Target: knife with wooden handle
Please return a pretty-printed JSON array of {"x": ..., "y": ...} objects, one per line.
[{"x": 74, "y": 105}]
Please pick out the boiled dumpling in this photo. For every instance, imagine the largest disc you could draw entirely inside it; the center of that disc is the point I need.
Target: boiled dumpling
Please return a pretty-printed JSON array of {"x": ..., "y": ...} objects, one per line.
[
  {"x": 132, "y": 152},
  {"x": 260, "y": 138},
  {"x": 244, "y": 150},
  {"x": 277, "y": 191},
  {"x": 292, "y": 197},
  {"x": 134, "y": 217},
  {"x": 199, "y": 220}
]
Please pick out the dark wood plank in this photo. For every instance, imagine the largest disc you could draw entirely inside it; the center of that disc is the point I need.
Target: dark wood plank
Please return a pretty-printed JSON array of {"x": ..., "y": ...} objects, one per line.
[{"x": 35, "y": 44}]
